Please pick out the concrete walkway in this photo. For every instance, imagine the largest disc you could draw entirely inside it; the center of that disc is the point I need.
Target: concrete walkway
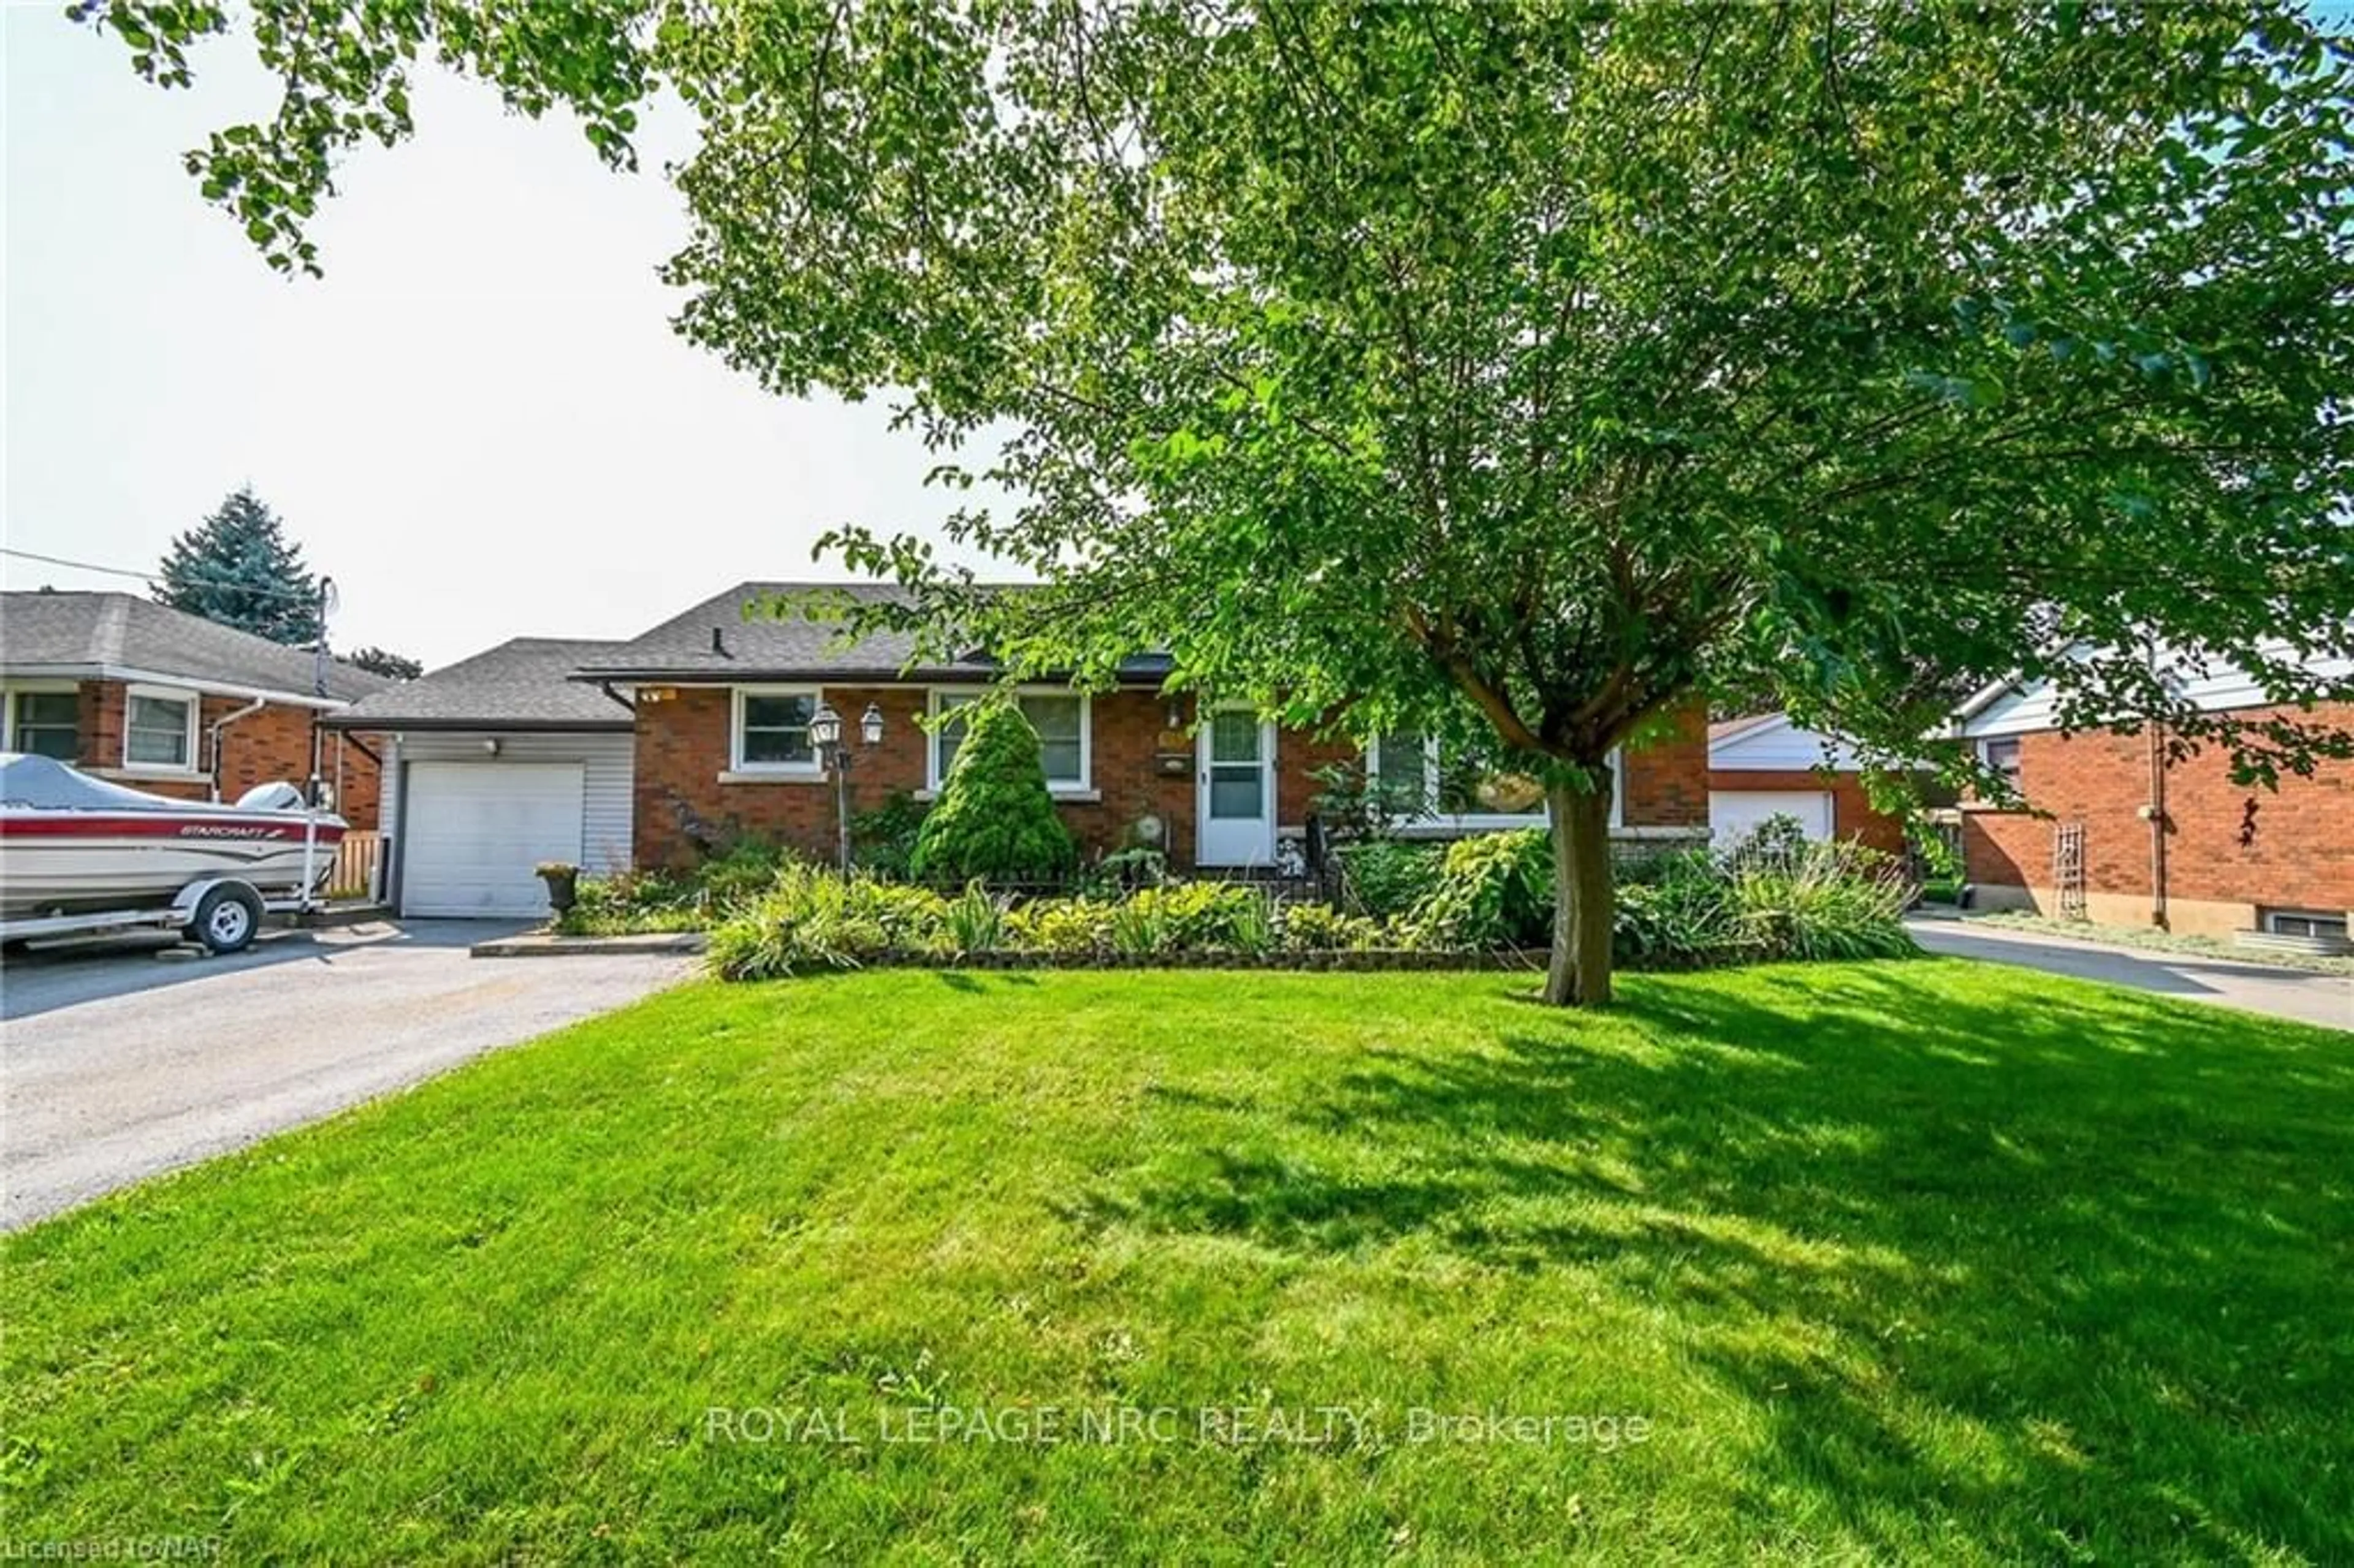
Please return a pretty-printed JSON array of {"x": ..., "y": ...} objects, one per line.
[{"x": 2326, "y": 999}]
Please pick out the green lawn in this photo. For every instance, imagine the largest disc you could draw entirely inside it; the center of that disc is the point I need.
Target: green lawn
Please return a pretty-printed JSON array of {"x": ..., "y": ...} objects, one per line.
[{"x": 1918, "y": 1261}]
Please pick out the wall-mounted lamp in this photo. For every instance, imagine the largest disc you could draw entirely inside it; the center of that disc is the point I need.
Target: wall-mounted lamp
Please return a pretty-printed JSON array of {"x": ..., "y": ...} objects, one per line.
[{"x": 490, "y": 745}]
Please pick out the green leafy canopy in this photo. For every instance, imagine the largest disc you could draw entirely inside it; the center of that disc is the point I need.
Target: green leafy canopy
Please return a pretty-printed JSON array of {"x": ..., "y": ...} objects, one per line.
[{"x": 1518, "y": 368}]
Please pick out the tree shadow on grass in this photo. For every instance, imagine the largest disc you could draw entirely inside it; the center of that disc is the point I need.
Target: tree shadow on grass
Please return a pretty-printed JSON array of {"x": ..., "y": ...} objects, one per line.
[{"x": 2065, "y": 1276}]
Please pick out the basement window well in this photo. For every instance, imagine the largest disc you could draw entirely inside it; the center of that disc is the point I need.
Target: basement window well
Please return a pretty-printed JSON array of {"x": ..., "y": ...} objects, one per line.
[{"x": 2304, "y": 923}]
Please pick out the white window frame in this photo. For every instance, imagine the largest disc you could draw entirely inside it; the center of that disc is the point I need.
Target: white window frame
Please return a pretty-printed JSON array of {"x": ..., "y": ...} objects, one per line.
[
  {"x": 1439, "y": 824},
  {"x": 737, "y": 767},
  {"x": 15, "y": 689},
  {"x": 939, "y": 699},
  {"x": 1986, "y": 757},
  {"x": 192, "y": 765}
]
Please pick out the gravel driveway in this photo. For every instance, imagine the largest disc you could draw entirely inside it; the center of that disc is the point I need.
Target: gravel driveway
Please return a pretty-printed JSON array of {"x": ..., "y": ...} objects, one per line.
[{"x": 119, "y": 1063}]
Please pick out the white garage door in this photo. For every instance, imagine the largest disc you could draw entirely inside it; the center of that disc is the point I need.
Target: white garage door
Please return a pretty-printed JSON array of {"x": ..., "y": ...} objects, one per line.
[
  {"x": 1732, "y": 813},
  {"x": 477, "y": 831}
]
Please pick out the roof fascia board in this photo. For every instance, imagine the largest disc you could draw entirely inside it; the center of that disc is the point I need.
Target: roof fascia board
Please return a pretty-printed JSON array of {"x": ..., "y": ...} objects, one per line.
[{"x": 161, "y": 678}]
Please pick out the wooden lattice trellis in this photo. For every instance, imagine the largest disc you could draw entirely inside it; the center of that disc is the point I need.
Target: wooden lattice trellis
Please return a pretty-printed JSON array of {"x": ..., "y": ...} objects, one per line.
[{"x": 2068, "y": 869}]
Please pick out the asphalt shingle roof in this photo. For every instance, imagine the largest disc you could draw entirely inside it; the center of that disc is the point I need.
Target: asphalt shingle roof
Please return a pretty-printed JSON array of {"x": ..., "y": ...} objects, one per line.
[
  {"x": 715, "y": 641},
  {"x": 45, "y": 629},
  {"x": 524, "y": 682}
]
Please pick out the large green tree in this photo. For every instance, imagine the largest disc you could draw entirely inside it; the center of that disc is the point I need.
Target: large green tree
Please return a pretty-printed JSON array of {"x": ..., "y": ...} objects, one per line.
[
  {"x": 238, "y": 567},
  {"x": 1524, "y": 370}
]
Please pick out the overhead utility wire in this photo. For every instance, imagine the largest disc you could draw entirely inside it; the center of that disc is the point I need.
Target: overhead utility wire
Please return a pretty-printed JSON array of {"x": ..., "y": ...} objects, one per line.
[{"x": 154, "y": 577}]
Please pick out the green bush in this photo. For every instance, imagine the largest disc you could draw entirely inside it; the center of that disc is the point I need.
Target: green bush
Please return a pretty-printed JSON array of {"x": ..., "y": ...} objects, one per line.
[
  {"x": 883, "y": 838},
  {"x": 1775, "y": 897},
  {"x": 1070, "y": 927},
  {"x": 1383, "y": 877},
  {"x": 1835, "y": 900},
  {"x": 976, "y": 921},
  {"x": 1494, "y": 890},
  {"x": 994, "y": 819},
  {"x": 1320, "y": 928},
  {"x": 663, "y": 901},
  {"x": 1677, "y": 915},
  {"x": 814, "y": 920}
]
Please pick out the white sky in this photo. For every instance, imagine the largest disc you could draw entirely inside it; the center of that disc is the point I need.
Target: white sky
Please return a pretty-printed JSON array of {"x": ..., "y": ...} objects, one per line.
[{"x": 480, "y": 422}]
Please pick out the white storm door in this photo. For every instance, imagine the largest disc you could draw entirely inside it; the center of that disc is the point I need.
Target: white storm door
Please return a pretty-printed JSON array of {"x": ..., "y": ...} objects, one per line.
[{"x": 1235, "y": 809}]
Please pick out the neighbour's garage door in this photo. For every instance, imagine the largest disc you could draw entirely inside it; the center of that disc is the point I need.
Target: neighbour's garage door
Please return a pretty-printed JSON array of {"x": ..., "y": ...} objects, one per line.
[
  {"x": 1732, "y": 813},
  {"x": 476, "y": 832}
]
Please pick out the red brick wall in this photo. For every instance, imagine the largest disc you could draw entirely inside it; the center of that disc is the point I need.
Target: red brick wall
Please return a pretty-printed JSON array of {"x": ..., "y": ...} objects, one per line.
[
  {"x": 1853, "y": 815},
  {"x": 2300, "y": 854},
  {"x": 1666, "y": 775},
  {"x": 683, "y": 749},
  {"x": 265, "y": 747}
]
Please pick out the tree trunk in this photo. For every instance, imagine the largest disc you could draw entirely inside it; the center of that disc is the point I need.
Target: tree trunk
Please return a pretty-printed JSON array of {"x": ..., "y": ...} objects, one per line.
[{"x": 1579, "y": 975}]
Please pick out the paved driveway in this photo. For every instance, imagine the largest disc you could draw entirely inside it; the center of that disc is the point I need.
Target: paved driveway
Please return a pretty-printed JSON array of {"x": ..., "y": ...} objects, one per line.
[
  {"x": 118, "y": 1064},
  {"x": 2327, "y": 1000}
]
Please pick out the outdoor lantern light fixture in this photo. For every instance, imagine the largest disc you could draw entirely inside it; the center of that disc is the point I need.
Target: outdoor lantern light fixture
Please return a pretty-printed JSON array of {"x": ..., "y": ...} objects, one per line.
[
  {"x": 825, "y": 727},
  {"x": 838, "y": 757}
]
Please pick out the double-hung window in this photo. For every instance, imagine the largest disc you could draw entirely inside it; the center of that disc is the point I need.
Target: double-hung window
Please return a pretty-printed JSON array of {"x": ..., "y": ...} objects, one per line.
[
  {"x": 771, "y": 730},
  {"x": 1059, "y": 717},
  {"x": 45, "y": 723},
  {"x": 159, "y": 728},
  {"x": 2001, "y": 757}
]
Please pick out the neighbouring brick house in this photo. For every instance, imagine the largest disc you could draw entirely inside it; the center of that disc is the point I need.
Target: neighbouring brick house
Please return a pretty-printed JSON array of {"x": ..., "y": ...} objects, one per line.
[
  {"x": 146, "y": 696},
  {"x": 2145, "y": 842},
  {"x": 1766, "y": 766},
  {"x": 723, "y": 706}
]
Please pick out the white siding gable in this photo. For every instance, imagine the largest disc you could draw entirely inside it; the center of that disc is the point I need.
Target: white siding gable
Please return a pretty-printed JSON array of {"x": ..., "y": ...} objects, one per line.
[{"x": 1778, "y": 746}]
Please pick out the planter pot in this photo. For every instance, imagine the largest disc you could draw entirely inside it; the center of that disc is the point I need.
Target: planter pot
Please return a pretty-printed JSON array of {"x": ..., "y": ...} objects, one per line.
[{"x": 563, "y": 889}]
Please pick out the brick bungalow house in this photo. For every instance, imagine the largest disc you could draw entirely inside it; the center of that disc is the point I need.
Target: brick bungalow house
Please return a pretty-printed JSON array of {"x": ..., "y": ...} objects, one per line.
[
  {"x": 628, "y": 753},
  {"x": 723, "y": 708},
  {"x": 1765, "y": 766},
  {"x": 132, "y": 691},
  {"x": 2117, "y": 833}
]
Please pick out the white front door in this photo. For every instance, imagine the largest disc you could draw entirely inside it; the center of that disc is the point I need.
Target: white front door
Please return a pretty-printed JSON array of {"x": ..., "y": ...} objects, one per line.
[{"x": 1235, "y": 809}]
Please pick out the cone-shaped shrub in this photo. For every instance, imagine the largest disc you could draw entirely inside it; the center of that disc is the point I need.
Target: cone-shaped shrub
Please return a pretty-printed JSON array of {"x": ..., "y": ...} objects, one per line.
[{"x": 994, "y": 819}]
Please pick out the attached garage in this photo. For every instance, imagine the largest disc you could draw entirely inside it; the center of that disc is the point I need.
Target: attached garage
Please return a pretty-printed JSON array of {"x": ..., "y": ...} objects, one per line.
[
  {"x": 494, "y": 767},
  {"x": 1733, "y": 814}
]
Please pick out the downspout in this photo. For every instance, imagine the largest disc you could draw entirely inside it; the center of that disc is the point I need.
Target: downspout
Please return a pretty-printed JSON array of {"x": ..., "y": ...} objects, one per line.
[{"x": 221, "y": 724}]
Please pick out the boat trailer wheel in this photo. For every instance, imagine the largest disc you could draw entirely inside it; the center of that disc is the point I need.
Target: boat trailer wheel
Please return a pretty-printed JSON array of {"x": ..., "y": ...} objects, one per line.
[{"x": 227, "y": 918}]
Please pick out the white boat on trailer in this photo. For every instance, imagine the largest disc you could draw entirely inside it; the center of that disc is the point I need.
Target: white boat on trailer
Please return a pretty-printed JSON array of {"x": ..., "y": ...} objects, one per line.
[{"x": 81, "y": 856}]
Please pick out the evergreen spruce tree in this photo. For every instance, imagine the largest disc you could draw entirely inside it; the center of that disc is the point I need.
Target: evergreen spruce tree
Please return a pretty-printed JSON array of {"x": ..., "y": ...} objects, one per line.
[
  {"x": 995, "y": 818},
  {"x": 238, "y": 568}
]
